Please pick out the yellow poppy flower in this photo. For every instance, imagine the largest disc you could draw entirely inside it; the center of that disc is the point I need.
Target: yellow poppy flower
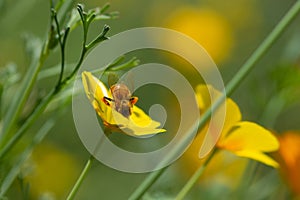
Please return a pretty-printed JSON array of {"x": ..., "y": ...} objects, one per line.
[
  {"x": 242, "y": 138},
  {"x": 206, "y": 26},
  {"x": 289, "y": 159},
  {"x": 50, "y": 171},
  {"x": 137, "y": 124}
]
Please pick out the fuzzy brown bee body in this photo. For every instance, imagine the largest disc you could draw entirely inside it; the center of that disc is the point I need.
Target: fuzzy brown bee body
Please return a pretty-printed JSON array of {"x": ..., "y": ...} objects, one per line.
[{"x": 122, "y": 101}]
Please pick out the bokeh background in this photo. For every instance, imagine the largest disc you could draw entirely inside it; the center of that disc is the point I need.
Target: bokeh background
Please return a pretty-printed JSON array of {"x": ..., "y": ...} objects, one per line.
[{"x": 229, "y": 31}]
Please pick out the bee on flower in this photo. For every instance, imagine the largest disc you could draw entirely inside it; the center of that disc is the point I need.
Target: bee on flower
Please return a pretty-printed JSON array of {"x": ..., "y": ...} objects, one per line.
[{"x": 116, "y": 107}]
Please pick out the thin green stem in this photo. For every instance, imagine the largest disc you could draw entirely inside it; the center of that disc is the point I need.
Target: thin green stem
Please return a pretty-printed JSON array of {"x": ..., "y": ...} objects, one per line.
[
  {"x": 84, "y": 48},
  {"x": 81, "y": 178},
  {"x": 146, "y": 184},
  {"x": 269, "y": 115},
  {"x": 24, "y": 91},
  {"x": 59, "y": 4},
  {"x": 230, "y": 87},
  {"x": 10, "y": 177},
  {"x": 99, "y": 38},
  {"x": 263, "y": 47},
  {"x": 62, "y": 39},
  {"x": 62, "y": 47},
  {"x": 191, "y": 182},
  {"x": 36, "y": 113}
]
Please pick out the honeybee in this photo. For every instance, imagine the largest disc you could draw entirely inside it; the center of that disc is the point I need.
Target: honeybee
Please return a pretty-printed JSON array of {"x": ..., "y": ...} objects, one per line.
[{"x": 122, "y": 100}]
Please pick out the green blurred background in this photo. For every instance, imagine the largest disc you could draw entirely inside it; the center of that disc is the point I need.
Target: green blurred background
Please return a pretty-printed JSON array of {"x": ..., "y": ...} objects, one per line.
[{"x": 229, "y": 30}]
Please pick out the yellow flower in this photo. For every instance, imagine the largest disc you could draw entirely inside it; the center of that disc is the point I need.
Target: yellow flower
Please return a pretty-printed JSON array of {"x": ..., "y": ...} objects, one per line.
[
  {"x": 137, "y": 124},
  {"x": 206, "y": 26},
  {"x": 289, "y": 159},
  {"x": 51, "y": 172},
  {"x": 242, "y": 138}
]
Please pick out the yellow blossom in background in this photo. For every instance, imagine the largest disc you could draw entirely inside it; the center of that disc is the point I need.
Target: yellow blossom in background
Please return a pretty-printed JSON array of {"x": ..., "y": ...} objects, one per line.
[
  {"x": 137, "y": 124},
  {"x": 206, "y": 26},
  {"x": 242, "y": 138},
  {"x": 289, "y": 159},
  {"x": 243, "y": 15},
  {"x": 52, "y": 172}
]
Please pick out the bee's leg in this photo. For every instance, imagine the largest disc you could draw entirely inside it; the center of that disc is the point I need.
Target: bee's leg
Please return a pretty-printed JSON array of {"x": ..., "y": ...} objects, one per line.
[
  {"x": 133, "y": 100},
  {"x": 107, "y": 100}
]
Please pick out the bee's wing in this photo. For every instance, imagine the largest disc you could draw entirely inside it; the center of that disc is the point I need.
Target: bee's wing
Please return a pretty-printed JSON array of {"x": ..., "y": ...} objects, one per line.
[
  {"x": 112, "y": 79},
  {"x": 128, "y": 80}
]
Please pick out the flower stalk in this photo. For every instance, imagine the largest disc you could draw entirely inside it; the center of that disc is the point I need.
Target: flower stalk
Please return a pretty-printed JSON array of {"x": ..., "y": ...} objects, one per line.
[
  {"x": 191, "y": 182},
  {"x": 80, "y": 179}
]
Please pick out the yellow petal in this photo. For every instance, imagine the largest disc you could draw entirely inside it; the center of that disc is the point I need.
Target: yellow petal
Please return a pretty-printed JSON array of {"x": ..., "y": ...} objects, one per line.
[
  {"x": 249, "y": 136},
  {"x": 139, "y": 117},
  {"x": 205, "y": 94},
  {"x": 233, "y": 115},
  {"x": 223, "y": 119},
  {"x": 95, "y": 91},
  {"x": 91, "y": 83},
  {"x": 143, "y": 122},
  {"x": 258, "y": 156}
]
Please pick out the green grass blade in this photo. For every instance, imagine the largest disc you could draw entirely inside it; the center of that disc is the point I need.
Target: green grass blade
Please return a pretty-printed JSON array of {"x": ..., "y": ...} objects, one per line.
[{"x": 23, "y": 92}]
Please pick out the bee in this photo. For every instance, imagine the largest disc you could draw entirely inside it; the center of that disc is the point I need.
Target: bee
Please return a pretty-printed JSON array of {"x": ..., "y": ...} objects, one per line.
[{"x": 122, "y": 100}]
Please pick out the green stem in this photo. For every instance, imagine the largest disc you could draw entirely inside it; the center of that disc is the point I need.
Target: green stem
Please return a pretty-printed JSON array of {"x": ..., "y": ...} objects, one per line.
[
  {"x": 36, "y": 113},
  {"x": 84, "y": 49},
  {"x": 269, "y": 115},
  {"x": 191, "y": 182},
  {"x": 231, "y": 86},
  {"x": 62, "y": 42},
  {"x": 81, "y": 178},
  {"x": 263, "y": 47},
  {"x": 146, "y": 184},
  {"x": 11, "y": 175},
  {"x": 24, "y": 91}
]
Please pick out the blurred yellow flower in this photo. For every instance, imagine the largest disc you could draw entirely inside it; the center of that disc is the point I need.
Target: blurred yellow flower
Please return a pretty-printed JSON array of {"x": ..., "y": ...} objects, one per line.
[
  {"x": 289, "y": 159},
  {"x": 137, "y": 124},
  {"x": 206, "y": 26},
  {"x": 242, "y": 138},
  {"x": 52, "y": 172}
]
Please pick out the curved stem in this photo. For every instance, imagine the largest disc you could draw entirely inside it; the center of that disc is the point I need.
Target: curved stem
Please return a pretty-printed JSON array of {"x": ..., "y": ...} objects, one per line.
[
  {"x": 233, "y": 84},
  {"x": 36, "y": 113},
  {"x": 146, "y": 184},
  {"x": 24, "y": 91},
  {"x": 81, "y": 178}
]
